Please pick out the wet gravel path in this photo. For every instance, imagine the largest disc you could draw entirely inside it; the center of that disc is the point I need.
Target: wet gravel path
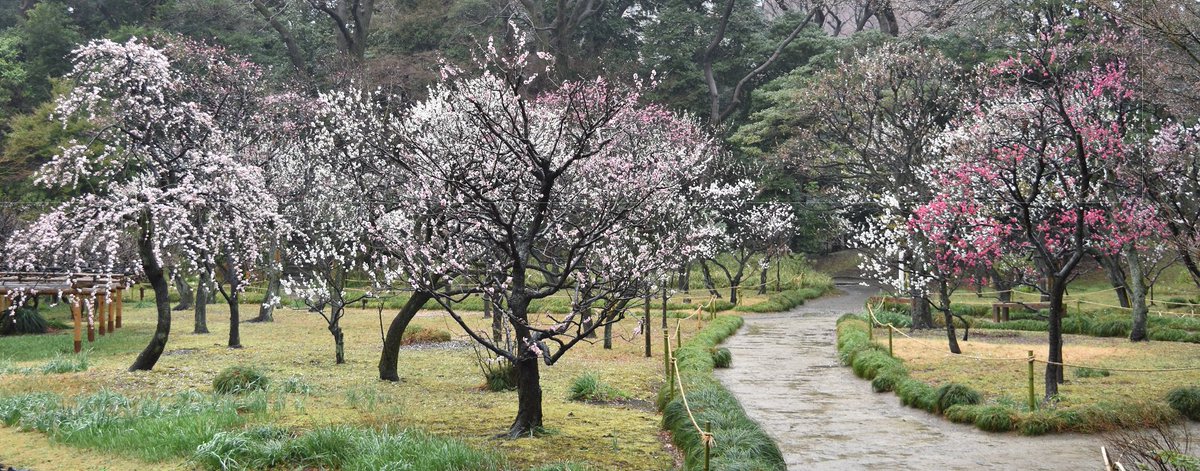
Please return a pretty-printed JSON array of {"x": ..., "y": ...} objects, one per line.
[{"x": 787, "y": 376}]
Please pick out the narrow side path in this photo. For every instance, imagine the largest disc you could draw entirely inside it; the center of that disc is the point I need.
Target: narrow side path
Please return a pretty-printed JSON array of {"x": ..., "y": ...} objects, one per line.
[{"x": 787, "y": 376}]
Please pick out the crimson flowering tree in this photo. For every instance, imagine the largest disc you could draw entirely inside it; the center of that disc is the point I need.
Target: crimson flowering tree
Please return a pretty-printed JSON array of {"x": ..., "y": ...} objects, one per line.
[
  {"x": 1033, "y": 153},
  {"x": 517, "y": 196},
  {"x": 160, "y": 161}
]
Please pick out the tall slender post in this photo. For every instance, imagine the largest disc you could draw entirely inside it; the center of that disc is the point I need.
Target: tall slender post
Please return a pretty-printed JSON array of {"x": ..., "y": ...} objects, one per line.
[
  {"x": 890, "y": 342},
  {"x": 1032, "y": 394},
  {"x": 678, "y": 339},
  {"x": 707, "y": 444},
  {"x": 646, "y": 323},
  {"x": 664, "y": 307},
  {"x": 120, "y": 305},
  {"x": 76, "y": 308},
  {"x": 113, "y": 301},
  {"x": 101, "y": 309}
]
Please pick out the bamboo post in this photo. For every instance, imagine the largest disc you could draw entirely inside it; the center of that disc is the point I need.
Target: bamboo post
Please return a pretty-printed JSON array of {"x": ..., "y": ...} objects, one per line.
[
  {"x": 101, "y": 309},
  {"x": 1032, "y": 395},
  {"x": 707, "y": 444},
  {"x": 120, "y": 305},
  {"x": 666, "y": 352},
  {"x": 664, "y": 308},
  {"x": 890, "y": 342},
  {"x": 678, "y": 340},
  {"x": 76, "y": 308},
  {"x": 646, "y": 323},
  {"x": 112, "y": 307}
]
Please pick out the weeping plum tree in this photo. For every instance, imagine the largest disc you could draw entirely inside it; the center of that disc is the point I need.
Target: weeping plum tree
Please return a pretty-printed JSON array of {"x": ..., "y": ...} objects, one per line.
[
  {"x": 517, "y": 197},
  {"x": 750, "y": 228},
  {"x": 1051, "y": 122},
  {"x": 168, "y": 126}
]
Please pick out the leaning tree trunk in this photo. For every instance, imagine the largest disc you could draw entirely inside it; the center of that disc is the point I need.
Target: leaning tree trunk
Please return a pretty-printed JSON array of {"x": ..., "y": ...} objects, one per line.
[
  {"x": 186, "y": 298},
  {"x": 162, "y": 301},
  {"x": 1116, "y": 276},
  {"x": 200, "y": 309},
  {"x": 944, "y": 306},
  {"x": 390, "y": 358},
  {"x": 529, "y": 385},
  {"x": 266, "y": 310},
  {"x": 1054, "y": 369},
  {"x": 235, "y": 337},
  {"x": 1137, "y": 294},
  {"x": 708, "y": 281}
]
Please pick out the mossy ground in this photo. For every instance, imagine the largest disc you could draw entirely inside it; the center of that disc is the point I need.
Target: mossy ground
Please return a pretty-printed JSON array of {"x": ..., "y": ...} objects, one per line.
[
  {"x": 440, "y": 391},
  {"x": 928, "y": 361}
]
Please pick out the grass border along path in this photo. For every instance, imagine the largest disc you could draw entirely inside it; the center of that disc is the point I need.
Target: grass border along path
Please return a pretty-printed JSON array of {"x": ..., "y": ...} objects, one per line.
[
  {"x": 962, "y": 404},
  {"x": 740, "y": 442}
]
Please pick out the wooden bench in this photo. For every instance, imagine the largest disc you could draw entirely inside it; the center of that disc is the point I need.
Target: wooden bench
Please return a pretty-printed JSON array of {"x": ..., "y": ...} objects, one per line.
[{"x": 1001, "y": 309}]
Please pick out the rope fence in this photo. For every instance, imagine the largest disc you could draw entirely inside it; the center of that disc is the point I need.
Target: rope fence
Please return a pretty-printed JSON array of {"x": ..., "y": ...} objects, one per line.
[
  {"x": 1029, "y": 359},
  {"x": 676, "y": 379}
]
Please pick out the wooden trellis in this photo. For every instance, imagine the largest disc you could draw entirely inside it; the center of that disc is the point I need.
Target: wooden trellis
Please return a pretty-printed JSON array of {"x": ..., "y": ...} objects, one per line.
[{"x": 102, "y": 293}]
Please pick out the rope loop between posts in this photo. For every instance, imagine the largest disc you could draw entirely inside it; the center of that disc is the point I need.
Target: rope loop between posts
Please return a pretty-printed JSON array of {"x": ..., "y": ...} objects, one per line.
[
  {"x": 705, "y": 437},
  {"x": 1022, "y": 359}
]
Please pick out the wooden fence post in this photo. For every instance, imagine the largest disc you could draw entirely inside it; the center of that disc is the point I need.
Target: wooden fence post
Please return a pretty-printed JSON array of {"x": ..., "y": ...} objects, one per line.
[
  {"x": 76, "y": 308},
  {"x": 113, "y": 301},
  {"x": 101, "y": 309},
  {"x": 646, "y": 322},
  {"x": 1032, "y": 396},
  {"x": 120, "y": 305}
]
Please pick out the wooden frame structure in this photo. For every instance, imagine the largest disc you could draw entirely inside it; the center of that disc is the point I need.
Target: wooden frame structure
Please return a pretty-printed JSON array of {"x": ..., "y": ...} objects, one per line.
[{"x": 102, "y": 292}]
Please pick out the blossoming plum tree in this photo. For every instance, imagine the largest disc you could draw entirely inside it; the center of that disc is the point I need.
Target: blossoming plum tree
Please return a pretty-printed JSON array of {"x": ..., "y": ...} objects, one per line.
[
  {"x": 518, "y": 196},
  {"x": 161, "y": 160}
]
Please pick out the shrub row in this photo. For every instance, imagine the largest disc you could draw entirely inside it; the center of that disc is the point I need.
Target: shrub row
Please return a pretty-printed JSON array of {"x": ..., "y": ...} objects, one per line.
[
  {"x": 740, "y": 442},
  {"x": 784, "y": 300},
  {"x": 1101, "y": 323},
  {"x": 962, "y": 404}
]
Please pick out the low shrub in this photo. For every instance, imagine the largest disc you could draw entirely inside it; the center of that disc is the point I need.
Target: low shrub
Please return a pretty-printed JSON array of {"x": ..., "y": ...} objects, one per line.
[
  {"x": 1111, "y": 328},
  {"x": 238, "y": 379},
  {"x": 995, "y": 418},
  {"x": 914, "y": 393},
  {"x": 1040, "y": 422},
  {"x": 962, "y": 413},
  {"x": 25, "y": 320},
  {"x": 953, "y": 394},
  {"x": 1186, "y": 401},
  {"x": 783, "y": 300},
  {"x": 722, "y": 357},
  {"x": 868, "y": 362},
  {"x": 499, "y": 375},
  {"x": 418, "y": 335},
  {"x": 887, "y": 379},
  {"x": 589, "y": 387}
]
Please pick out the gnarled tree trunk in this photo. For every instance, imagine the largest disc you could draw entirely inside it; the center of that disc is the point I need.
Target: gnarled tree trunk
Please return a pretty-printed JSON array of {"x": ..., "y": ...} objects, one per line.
[
  {"x": 389, "y": 359},
  {"x": 235, "y": 337},
  {"x": 266, "y": 310},
  {"x": 162, "y": 300},
  {"x": 203, "y": 289},
  {"x": 1137, "y": 294},
  {"x": 186, "y": 298}
]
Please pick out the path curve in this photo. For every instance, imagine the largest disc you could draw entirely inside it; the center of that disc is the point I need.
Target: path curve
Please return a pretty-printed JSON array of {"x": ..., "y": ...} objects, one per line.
[{"x": 787, "y": 376}]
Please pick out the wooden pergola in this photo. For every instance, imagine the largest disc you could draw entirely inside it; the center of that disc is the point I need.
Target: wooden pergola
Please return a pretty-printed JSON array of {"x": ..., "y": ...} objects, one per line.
[{"x": 101, "y": 291}]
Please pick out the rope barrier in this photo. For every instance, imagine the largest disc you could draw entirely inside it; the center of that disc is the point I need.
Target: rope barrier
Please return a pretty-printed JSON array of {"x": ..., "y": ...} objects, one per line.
[
  {"x": 705, "y": 437},
  {"x": 1159, "y": 313},
  {"x": 1024, "y": 359}
]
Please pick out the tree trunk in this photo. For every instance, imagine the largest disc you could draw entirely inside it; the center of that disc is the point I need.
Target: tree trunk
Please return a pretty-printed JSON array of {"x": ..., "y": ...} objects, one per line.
[
  {"x": 162, "y": 299},
  {"x": 608, "y": 335},
  {"x": 733, "y": 291},
  {"x": 203, "y": 288},
  {"x": 339, "y": 349},
  {"x": 685, "y": 277},
  {"x": 529, "y": 397},
  {"x": 497, "y": 326},
  {"x": 1116, "y": 276},
  {"x": 389, "y": 359},
  {"x": 944, "y": 301},
  {"x": 708, "y": 282},
  {"x": 762, "y": 280},
  {"x": 487, "y": 308},
  {"x": 922, "y": 318},
  {"x": 1054, "y": 372},
  {"x": 186, "y": 298},
  {"x": 1137, "y": 292},
  {"x": 1002, "y": 286},
  {"x": 266, "y": 310},
  {"x": 235, "y": 337}
]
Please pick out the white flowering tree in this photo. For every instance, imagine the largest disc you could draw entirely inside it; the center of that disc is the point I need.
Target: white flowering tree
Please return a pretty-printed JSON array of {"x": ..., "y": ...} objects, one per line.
[
  {"x": 161, "y": 162},
  {"x": 751, "y": 228},
  {"x": 517, "y": 196}
]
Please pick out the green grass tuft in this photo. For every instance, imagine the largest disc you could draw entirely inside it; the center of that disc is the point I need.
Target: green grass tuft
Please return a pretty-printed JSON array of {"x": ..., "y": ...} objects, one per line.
[
  {"x": 239, "y": 379},
  {"x": 1186, "y": 401},
  {"x": 722, "y": 357},
  {"x": 1091, "y": 373},
  {"x": 952, "y": 394},
  {"x": 589, "y": 387},
  {"x": 995, "y": 418}
]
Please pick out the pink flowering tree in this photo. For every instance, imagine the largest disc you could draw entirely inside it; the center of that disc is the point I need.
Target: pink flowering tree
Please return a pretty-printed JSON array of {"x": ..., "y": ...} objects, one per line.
[
  {"x": 160, "y": 162},
  {"x": 1033, "y": 153},
  {"x": 517, "y": 196}
]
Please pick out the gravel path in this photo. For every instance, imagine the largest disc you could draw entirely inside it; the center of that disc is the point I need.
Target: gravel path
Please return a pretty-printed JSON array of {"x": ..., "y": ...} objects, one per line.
[{"x": 787, "y": 376}]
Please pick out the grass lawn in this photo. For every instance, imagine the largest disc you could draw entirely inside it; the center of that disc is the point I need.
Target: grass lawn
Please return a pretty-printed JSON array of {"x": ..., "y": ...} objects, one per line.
[
  {"x": 440, "y": 391},
  {"x": 1007, "y": 381}
]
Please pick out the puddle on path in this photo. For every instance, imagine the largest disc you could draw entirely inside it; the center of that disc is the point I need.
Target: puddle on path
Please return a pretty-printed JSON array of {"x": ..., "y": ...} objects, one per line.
[{"x": 786, "y": 374}]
